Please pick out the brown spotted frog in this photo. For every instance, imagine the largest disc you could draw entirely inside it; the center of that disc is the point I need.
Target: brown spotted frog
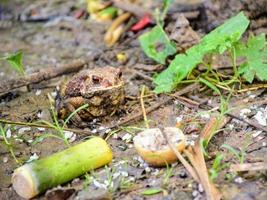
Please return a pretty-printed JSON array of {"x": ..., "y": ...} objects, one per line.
[{"x": 101, "y": 88}]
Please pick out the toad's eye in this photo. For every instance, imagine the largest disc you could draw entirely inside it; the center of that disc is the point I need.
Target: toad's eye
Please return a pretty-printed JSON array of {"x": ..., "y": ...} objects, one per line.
[
  {"x": 96, "y": 79},
  {"x": 120, "y": 74}
]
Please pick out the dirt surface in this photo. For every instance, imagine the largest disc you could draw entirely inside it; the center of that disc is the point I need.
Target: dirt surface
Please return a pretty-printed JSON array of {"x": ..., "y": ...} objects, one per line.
[{"x": 57, "y": 37}]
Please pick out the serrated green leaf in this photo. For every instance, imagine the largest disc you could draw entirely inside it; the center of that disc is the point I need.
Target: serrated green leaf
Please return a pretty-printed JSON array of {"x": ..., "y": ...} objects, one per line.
[
  {"x": 151, "y": 191},
  {"x": 255, "y": 53},
  {"x": 157, "y": 45},
  {"x": 217, "y": 41},
  {"x": 15, "y": 61}
]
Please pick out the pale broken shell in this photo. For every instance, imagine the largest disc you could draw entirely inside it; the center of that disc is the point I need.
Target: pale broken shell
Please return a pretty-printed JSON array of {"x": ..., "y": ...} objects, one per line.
[{"x": 152, "y": 146}]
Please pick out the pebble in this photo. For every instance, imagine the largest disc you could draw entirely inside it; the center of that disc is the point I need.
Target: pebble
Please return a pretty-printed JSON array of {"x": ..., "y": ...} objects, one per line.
[
  {"x": 190, "y": 143},
  {"x": 124, "y": 173},
  {"x": 238, "y": 180},
  {"x": 94, "y": 131},
  {"x": 148, "y": 169},
  {"x": 99, "y": 185},
  {"x": 244, "y": 112},
  {"x": 38, "y": 92},
  {"x": 261, "y": 118},
  {"x": 231, "y": 126},
  {"x": 101, "y": 128},
  {"x": 205, "y": 115},
  {"x": 108, "y": 130},
  {"x": 23, "y": 129},
  {"x": 32, "y": 158},
  {"x": 8, "y": 133},
  {"x": 200, "y": 188},
  {"x": 70, "y": 136},
  {"x": 5, "y": 159},
  {"x": 195, "y": 193},
  {"x": 179, "y": 119},
  {"x": 53, "y": 94},
  {"x": 183, "y": 174},
  {"x": 127, "y": 137},
  {"x": 41, "y": 129}
]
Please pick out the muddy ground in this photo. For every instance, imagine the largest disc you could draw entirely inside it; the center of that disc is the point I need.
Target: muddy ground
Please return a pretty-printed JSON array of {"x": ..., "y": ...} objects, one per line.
[{"x": 59, "y": 38}]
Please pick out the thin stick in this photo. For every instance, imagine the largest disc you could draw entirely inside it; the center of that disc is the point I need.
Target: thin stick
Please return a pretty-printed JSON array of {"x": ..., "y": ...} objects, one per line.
[
  {"x": 143, "y": 106},
  {"x": 161, "y": 101},
  {"x": 188, "y": 167},
  {"x": 44, "y": 126},
  {"x": 43, "y": 74}
]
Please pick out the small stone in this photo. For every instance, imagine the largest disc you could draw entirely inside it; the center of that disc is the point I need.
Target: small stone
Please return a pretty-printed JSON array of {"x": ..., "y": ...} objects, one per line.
[
  {"x": 101, "y": 128},
  {"x": 256, "y": 134},
  {"x": 148, "y": 169},
  {"x": 261, "y": 118},
  {"x": 127, "y": 137},
  {"x": 30, "y": 141},
  {"x": 38, "y": 92},
  {"x": 115, "y": 136},
  {"x": 200, "y": 188},
  {"x": 97, "y": 184},
  {"x": 124, "y": 173},
  {"x": 68, "y": 134},
  {"x": 8, "y": 133},
  {"x": 23, "y": 129},
  {"x": 205, "y": 115},
  {"x": 195, "y": 193},
  {"x": 32, "y": 158},
  {"x": 94, "y": 131},
  {"x": 231, "y": 126},
  {"x": 107, "y": 130},
  {"x": 179, "y": 119},
  {"x": 264, "y": 144},
  {"x": 5, "y": 159},
  {"x": 183, "y": 174},
  {"x": 53, "y": 94},
  {"x": 244, "y": 112},
  {"x": 238, "y": 180},
  {"x": 41, "y": 129}
]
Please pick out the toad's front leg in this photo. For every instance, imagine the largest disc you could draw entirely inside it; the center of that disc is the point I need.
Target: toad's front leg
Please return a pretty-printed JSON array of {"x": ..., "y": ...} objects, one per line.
[{"x": 69, "y": 106}]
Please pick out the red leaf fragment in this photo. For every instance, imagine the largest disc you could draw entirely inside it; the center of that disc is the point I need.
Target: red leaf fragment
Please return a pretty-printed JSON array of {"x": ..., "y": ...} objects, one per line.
[{"x": 142, "y": 23}]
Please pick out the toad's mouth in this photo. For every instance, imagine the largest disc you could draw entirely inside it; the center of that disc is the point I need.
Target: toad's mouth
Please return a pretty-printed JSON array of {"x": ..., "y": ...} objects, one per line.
[{"x": 100, "y": 88}]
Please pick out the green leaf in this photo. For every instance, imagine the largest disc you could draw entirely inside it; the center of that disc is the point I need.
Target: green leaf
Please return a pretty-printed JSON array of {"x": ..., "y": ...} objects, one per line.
[
  {"x": 15, "y": 61},
  {"x": 217, "y": 162},
  {"x": 157, "y": 45},
  {"x": 255, "y": 63},
  {"x": 151, "y": 191},
  {"x": 217, "y": 41}
]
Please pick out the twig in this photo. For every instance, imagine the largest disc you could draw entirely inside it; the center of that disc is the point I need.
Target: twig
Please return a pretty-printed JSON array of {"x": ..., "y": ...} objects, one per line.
[
  {"x": 42, "y": 75},
  {"x": 78, "y": 131},
  {"x": 188, "y": 167},
  {"x": 142, "y": 75},
  {"x": 139, "y": 11},
  {"x": 143, "y": 106},
  {"x": 248, "y": 167},
  {"x": 160, "y": 101}
]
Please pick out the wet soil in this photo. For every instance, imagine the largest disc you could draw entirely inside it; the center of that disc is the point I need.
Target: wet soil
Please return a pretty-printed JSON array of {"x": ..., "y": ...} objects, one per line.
[{"x": 56, "y": 39}]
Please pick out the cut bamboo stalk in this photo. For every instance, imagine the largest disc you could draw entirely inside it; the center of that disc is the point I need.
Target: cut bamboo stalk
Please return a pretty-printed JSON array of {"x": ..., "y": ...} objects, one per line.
[{"x": 34, "y": 178}]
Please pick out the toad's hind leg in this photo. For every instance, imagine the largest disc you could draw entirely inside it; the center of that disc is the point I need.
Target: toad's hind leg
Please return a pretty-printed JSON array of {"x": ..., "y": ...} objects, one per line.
[
  {"x": 75, "y": 119},
  {"x": 71, "y": 104}
]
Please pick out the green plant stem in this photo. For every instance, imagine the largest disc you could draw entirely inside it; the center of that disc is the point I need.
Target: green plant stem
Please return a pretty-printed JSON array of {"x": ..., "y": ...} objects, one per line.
[
  {"x": 41, "y": 126},
  {"x": 8, "y": 144},
  {"x": 233, "y": 57}
]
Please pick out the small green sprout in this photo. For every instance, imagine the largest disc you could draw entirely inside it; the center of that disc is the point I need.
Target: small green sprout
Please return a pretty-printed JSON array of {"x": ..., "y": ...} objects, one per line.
[{"x": 15, "y": 61}]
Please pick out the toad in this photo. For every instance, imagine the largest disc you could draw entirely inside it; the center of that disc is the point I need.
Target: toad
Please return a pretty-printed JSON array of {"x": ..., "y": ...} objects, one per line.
[{"x": 101, "y": 88}]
